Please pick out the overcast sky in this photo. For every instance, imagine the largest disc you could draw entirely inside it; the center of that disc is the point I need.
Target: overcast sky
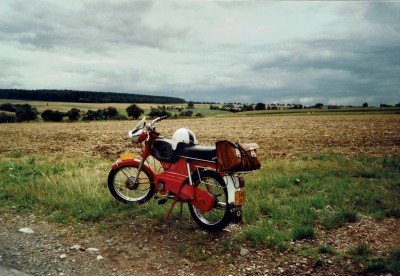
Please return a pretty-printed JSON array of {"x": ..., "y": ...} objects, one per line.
[{"x": 343, "y": 53}]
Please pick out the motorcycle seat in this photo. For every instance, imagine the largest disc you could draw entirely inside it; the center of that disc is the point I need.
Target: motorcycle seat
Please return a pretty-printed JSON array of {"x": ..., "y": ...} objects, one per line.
[{"x": 197, "y": 152}]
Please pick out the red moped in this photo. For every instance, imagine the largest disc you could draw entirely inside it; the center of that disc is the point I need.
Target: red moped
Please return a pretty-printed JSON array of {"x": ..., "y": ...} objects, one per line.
[{"x": 188, "y": 174}]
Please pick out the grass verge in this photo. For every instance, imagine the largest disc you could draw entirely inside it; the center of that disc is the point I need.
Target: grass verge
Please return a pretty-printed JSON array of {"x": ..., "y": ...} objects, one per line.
[
  {"x": 333, "y": 190},
  {"x": 287, "y": 200}
]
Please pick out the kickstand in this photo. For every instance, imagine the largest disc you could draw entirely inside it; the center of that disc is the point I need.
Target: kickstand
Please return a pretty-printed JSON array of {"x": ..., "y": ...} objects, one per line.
[{"x": 172, "y": 207}]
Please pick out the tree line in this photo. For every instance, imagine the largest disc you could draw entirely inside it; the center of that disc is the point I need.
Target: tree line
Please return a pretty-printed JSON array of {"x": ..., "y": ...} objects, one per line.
[
  {"x": 25, "y": 113},
  {"x": 245, "y": 107},
  {"x": 83, "y": 96}
]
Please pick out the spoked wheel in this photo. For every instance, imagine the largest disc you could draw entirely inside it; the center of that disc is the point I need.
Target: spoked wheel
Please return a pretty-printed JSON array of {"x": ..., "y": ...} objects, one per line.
[
  {"x": 124, "y": 187},
  {"x": 218, "y": 217}
]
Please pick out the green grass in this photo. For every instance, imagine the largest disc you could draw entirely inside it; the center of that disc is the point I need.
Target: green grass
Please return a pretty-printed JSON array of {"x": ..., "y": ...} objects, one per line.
[
  {"x": 374, "y": 263},
  {"x": 68, "y": 189},
  {"x": 334, "y": 190}
]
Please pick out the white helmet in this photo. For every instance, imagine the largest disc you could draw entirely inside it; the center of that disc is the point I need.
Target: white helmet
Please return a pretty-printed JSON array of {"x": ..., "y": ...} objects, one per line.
[{"x": 183, "y": 135}]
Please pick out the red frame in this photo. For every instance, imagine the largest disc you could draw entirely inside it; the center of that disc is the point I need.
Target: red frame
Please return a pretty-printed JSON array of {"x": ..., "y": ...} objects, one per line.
[{"x": 175, "y": 177}]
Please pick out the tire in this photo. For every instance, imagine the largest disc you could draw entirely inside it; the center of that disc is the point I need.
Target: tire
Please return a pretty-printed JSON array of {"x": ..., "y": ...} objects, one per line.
[
  {"x": 122, "y": 187},
  {"x": 218, "y": 217}
]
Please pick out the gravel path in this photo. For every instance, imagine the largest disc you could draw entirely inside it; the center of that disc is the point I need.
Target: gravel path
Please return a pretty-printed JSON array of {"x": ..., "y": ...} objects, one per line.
[
  {"x": 32, "y": 246},
  {"x": 42, "y": 251},
  {"x": 11, "y": 272}
]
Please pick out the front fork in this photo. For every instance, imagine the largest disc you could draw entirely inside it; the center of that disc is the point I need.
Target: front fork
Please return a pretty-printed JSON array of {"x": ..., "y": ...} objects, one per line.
[{"x": 139, "y": 170}]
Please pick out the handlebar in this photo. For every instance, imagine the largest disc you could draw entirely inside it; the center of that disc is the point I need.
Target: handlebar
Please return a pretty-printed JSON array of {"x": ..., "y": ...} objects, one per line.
[
  {"x": 152, "y": 128},
  {"x": 159, "y": 119}
]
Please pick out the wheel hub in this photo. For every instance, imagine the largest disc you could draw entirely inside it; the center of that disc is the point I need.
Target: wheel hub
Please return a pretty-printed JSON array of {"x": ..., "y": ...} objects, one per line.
[{"x": 131, "y": 183}]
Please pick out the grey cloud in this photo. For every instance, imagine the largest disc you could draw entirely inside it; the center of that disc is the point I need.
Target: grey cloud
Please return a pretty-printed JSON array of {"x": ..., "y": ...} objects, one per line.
[
  {"x": 365, "y": 63},
  {"x": 9, "y": 75},
  {"x": 91, "y": 26},
  {"x": 340, "y": 66},
  {"x": 384, "y": 13},
  {"x": 355, "y": 57}
]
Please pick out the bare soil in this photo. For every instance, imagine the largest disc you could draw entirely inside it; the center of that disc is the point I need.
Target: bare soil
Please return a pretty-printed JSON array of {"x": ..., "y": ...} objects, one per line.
[
  {"x": 279, "y": 136},
  {"x": 165, "y": 249}
]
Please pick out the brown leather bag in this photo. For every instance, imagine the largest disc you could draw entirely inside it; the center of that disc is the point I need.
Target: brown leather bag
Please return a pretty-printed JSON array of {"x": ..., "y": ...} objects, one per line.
[{"x": 237, "y": 157}]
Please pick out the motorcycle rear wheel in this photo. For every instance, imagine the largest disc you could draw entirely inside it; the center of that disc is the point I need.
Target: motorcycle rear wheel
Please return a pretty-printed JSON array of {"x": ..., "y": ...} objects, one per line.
[
  {"x": 122, "y": 185},
  {"x": 218, "y": 217}
]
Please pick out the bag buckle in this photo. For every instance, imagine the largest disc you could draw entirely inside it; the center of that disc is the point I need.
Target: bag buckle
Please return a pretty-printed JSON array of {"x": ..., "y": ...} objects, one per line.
[{"x": 237, "y": 153}]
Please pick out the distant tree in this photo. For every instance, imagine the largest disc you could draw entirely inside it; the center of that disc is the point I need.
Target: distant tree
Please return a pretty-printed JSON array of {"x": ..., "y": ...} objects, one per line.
[
  {"x": 111, "y": 112},
  {"x": 8, "y": 107},
  {"x": 92, "y": 115},
  {"x": 52, "y": 116},
  {"x": 333, "y": 107},
  {"x": 74, "y": 114},
  {"x": 84, "y": 96},
  {"x": 26, "y": 112},
  {"x": 246, "y": 107},
  {"x": 134, "y": 111},
  {"x": 260, "y": 106},
  {"x": 190, "y": 105},
  {"x": 101, "y": 114},
  {"x": 186, "y": 113},
  {"x": 89, "y": 115},
  {"x": 157, "y": 112},
  {"x": 365, "y": 105},
  {"x": 319, "y": 105},
  {"x": 7, "y": 118},
  {"x": 297, "y": 106},
  {"x": 228, "y": 105}
]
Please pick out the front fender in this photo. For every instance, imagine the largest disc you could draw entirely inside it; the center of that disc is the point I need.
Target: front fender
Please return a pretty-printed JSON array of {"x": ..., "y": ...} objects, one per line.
[{"x": 135, "y": 163}]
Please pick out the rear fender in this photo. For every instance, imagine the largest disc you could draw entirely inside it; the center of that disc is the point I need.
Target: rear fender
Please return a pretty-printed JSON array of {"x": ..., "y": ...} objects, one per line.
[
  {"x": 133, "y": 162},
  {"x": 232, "y": 184}
]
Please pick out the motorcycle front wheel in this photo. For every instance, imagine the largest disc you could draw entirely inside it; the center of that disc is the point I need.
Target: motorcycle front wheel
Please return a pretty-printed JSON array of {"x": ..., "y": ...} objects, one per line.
[
  {"x": 124, "y": 187},
  {"x": 218, "y": 217}
]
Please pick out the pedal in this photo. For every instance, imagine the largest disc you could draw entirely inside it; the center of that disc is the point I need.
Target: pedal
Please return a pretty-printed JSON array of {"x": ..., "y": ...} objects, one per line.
[
  {"x": 165, "y": 198},
  {"x": 162, "y": 200}
]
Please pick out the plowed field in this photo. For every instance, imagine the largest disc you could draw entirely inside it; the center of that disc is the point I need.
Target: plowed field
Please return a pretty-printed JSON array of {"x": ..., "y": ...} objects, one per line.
[{"x": 278, "y": 136}]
